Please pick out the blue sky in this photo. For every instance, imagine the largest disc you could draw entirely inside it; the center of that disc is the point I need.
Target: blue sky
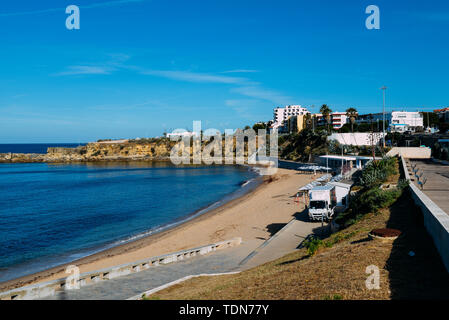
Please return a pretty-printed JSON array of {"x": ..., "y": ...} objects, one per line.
[{"x": 139, "y": 67}]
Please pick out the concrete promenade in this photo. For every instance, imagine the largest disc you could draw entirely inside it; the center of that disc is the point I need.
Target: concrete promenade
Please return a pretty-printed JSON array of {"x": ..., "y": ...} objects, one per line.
[
  {"x": 285, "y": 241},
  {"x": 124, "y": 287},
  {"x": 437, "y": 185}
]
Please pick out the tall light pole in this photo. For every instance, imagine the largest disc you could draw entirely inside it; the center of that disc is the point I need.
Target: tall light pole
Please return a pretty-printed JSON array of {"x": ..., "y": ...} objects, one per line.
[
  {"x": 313, "y": 118},
  {"x": 384, "y": 89},
  {"x": 342, "y": 163}
]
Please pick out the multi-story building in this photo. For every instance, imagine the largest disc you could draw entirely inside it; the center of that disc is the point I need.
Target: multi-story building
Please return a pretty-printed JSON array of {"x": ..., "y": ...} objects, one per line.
[
  {"x": 297, "y": 123},
  {"x": 396, "y": 121},
  {"x": 373, "y": 117},
  {"x": 443, "y": 114},
  {"x": 403, "y": 121},
  {"x": 338, "y": 119},
  {"x": 281, "y": 115}
]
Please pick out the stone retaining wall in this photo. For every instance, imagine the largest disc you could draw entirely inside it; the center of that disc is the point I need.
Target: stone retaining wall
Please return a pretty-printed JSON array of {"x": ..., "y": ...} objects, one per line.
[{"x": 436, "y": 220}]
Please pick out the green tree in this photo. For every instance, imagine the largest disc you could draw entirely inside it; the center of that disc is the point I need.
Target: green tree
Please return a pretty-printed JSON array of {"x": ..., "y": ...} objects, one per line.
[
  {"x": 430, "y": 119},
  {"x": 352, "y": 114},
  {"x": 308, "y": 121},
  {"x": 258, "y": 126},
  {"x": 326, "y": 112}
]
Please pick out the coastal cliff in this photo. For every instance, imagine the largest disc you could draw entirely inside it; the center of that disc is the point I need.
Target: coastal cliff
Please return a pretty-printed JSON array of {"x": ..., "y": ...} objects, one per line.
[
  {"x": 118, "y": 150},
  {"x": 149, "y": 149}
]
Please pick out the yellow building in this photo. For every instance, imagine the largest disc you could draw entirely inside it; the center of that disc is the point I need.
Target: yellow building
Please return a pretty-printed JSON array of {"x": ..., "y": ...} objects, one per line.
[{"x": 297, "y": 123}]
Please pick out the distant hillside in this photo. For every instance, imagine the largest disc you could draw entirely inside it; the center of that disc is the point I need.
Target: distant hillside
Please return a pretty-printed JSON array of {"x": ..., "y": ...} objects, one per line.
[{"x": 304, "y": 146}]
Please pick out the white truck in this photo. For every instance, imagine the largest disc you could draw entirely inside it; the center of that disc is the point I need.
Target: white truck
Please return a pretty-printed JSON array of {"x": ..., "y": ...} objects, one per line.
[
  {"x": 322, "y": 202},
  {"x": 342, "y": 192}
]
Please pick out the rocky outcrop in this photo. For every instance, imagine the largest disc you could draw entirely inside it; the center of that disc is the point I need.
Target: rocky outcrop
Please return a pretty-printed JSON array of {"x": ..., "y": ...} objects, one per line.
[
  {"x": 124, "y": 150},
  {"x": 21, "y": 157},
  {"x": 154, "y": 149}
]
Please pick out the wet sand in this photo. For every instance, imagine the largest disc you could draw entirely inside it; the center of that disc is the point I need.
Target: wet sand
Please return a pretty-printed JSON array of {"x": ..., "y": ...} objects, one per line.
[{"x": 255, "y": 215}]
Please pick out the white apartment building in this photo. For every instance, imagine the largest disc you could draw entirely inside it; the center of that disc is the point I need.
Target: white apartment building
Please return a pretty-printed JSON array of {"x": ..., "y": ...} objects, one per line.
[
  {"x": 338, "y": 119},
  {"x": 396, "y": 121},
  {"x": 402, "y": 121},
  {"x": 283, "y": 114}
]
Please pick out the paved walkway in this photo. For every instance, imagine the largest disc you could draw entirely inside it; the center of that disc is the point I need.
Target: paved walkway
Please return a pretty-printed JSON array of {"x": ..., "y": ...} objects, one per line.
[
  {"x": 437, "y": 185},
  {"x": 285, "y": 241},
  {"x": 124, "y": 287}
]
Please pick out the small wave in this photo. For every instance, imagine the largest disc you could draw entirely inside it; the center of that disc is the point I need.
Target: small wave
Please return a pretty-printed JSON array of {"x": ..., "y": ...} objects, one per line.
[
  {"x": 141, "y": 235},
  {"x": 167, "y": 226},
  {"x": 246, "y": 183}
]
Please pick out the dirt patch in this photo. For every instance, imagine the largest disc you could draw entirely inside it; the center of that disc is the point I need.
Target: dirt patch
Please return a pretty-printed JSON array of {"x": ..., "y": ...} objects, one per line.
[{"x": 386, "y": 232}]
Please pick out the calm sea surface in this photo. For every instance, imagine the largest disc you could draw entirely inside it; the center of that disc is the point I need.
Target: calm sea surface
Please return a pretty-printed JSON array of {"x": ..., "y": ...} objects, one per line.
[{"x": 53, "y": 214}]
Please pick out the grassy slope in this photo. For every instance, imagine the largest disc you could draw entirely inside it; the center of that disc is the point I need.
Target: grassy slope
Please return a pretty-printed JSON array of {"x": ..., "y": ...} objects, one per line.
[{"x": 339, "y": 272}]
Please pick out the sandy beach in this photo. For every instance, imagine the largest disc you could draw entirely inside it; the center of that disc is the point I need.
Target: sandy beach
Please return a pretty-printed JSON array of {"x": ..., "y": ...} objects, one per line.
[{"x": 252, "y": 216}]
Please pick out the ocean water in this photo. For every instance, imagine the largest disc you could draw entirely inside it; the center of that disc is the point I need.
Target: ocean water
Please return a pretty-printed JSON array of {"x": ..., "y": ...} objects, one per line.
[
  {"x": 35, "y": 147},
  {"x": 52, "y": 214}
]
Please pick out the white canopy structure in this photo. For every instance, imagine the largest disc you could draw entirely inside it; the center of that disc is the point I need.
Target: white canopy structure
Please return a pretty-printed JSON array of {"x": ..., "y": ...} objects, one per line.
[
  {"x": 309, "y": 186},
  {"x": 315, "y": 183},
  {"x": 313, "y": 168},
  {"x": 324, "y": 178}
]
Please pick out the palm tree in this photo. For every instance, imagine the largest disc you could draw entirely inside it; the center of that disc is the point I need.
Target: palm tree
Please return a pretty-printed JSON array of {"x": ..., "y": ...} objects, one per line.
[
  {"x": 352, "y": 114},
  {"x": 326, "y": 112}
]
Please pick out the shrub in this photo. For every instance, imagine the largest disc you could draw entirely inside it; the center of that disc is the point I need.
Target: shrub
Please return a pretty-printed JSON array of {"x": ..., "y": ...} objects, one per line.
[
  {"x": 375, "y": 199},
  {"x": 371, "y": 198},
  {"x": 377, "y": 172},
  {"x": 372, "y": 178},
  {"x": 403, "y": 183},
  {"x": 312, "y": 245}
]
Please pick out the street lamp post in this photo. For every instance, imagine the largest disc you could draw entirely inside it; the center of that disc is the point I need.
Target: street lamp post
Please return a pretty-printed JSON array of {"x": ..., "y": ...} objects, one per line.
[
  {"x": 313, "y": 119},
  {"x": 342, "y": 163},
  {"x": 384, "y": 89}
]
